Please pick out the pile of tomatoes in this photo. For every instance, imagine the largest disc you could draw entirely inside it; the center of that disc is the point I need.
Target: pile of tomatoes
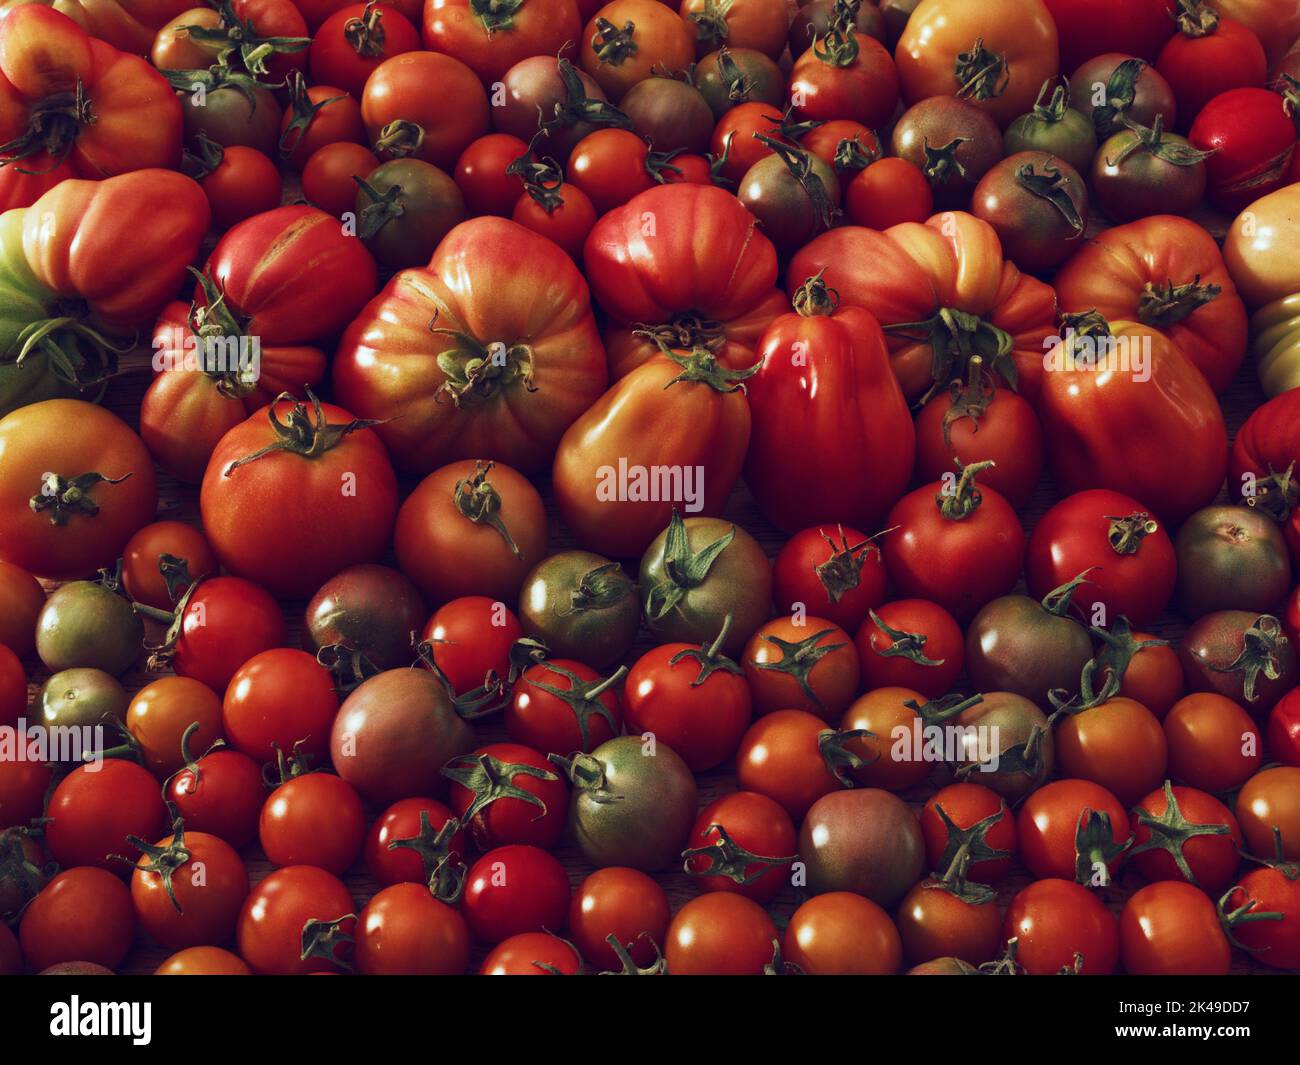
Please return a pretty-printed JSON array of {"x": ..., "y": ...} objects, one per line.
[{"x": 468, "y": 320}]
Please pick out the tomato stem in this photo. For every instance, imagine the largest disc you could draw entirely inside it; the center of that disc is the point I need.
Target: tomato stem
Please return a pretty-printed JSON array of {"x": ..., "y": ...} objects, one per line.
[
  {"x": 366, "y": 33},
  {"x": 981, "y": 74},
  {"x": 613, "y": 45},
  {"x": 64, "y": 497}
]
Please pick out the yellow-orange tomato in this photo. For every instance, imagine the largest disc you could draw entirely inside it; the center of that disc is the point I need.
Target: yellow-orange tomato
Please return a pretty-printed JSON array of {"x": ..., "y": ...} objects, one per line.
[
  {"x": 1259, "y": 248},
  {"x": 203, "y": 961},
  {"x": 159, "y": 715}
]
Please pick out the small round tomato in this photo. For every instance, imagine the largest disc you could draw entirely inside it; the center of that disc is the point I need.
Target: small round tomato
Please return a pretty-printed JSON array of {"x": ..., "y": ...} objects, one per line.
[
  {"x": 166, "y": 711},
  {"x": 886, "y": 193},
  {"x": 627, "y": 39},
  {"x": 1072, "y": 830},
  {"x": 842, "y": 934},
  {"x": 1186, "y": 834},
  {"x": 743, "y": 842},
  {"x": 150, "y": 578},
  {"x": 886, "y": 716},
  {"x": 562, "y": 706},
  {"x": 1037, "y": 204},
  {"x": 911, "y": 643},
  {"x": 1213, "y": 743},
  {"x": 484, "y": 176},
  {"x": 347, "y": 46},
  {"x": 794, "y": 194},
  {"x": 846, "y": 75},
  {"x": 734, "y": 141},
  {"x": 405, "y": 931},
  {"x": 240, "y": 183},
  {"x": 1272, "y": 889},
  {"x": 1118, "y": 744},
  {"x": 220, "y": 793},
  {"x": 952, "y": 142},
  {"x": 1060, "y": 926},
  {"x": 969, "y": 815},
  {"x": 1020, "y": 733},
  {"x": 507, "y": 793},
  {"x": 315, "y": 819},
  {"x": 361, "y": 621},
  {"x": 188, "y": 889},
  {"x": 327, "y": 175},
  {"x": 780, "y": 756},
  {"x": 21, "y": 599},
  {"x": 88, "y": 624},
  {"x": 411, "y": 839},
  {"x": 558, "y": 211},
  {"x": 532, "y": 954},
  {"x": 1209, "y": 56},
  {"x": 1269, "y": 803},
  {"x": 95, "y": 808},
  {"x": 1241, "y": 654},
  {"x": 1154, "y": 676},
  {"x": 471, "y": 639},
  {"x": 1283, "y": 732},
  {"x": 720, "y": 934},
  {"x": 23, "y": 785},
  {"x": 623, "y": 903},
  {"x": 317, "y": 116},
  {"x": 83, "y": 914},
  {"x": 280, "y": 700},
  {"x": 864, "y": 840},
  {"x": 938, "y": 920},
  {"x": 1231, "y": 558},
  {"x": 830, "y": 572},
  {"x": 1139, "y": 172},
  {"x": 203, "y": 961},
  {"x": 804, "y": 664},
  {"x": 404, "y": 209},
  {"x": 612, "y": 165},
  {"x": 1250, "y": 132},
  {"x": 515, "y": 889},
  {"x": 298, "y": 920},
  {"x": 581, "y": 605},
  {"x": 1171, "y": 928},
  {"x": 672, "y": 115}
]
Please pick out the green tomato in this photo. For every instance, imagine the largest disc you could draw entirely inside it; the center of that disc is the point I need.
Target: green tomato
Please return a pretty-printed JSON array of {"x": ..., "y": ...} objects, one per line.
[
  {"x": 581, "y": 606},
  {"x": 81, "y": 698},
  {"x": 1231, "y": 558},
  {"x": 404, "y": 209},
  {"x": 1276, "y": 329},
  {"x": 85, "y": 624}
]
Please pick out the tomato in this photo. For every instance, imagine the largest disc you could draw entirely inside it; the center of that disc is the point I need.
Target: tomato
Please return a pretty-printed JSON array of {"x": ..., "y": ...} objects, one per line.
[
  {"x": 975, "y": 533},
  {"x": 1231, "y": 557},
  {"x": 887, "y": 192},
  {"x": 416, "y": 841},
  {"x": 887, "y": 724},
  {"x": 696, "y": 574},
  {"x": 1141, "y": 171},
  {"x": 1105, "y": 374},
  {"x": 814, "y": 18},
  {"x": 405, "y": 207},
  {"x": 203, "y": 961},
  {"x": 1022, "y": 736},
  {"x": 633, "y": 803},
  {"x": 13, "y": 688},
  {"x": 327, "y": 175},
  {"x": 484, "y": 176},
  {"x": 1272, "y": 889},
  {"x": 403, "y": 119},
  {"x": 1241, "y": 654},
  {"x": 1213, "y": 743},
  {"x": 1253, "y": 140},
  {"x": 317, "y": 116},
  {"x": 88, "y": 624},
  {"x": 471, "y": 637},
  {"x": 341, "y": 478},
  {"x": 94, "y": 809},
  {"x": 692, "y": 698},
  {"x": 1090, "y": 27},
  {"x": 842, "y": 934},
  {"x": 23, "y": 785},
  {"x": 672, "y": 115},
  {"x": 971, "y": 816},
  {"x": 919, "y": 277},
  {"x": 562, "y": 705},
  {"x": 1283, "y": 731},
  {"x": 627, "y": 39},
  {"x": 149, "y": 579},
  {"x": 581, "y": 605},
  {"x": 394, "y": 734},
  {"x": 866, "y": 841},
  {"x": 1072, "y": 830},
  {"x": 313, "y": 819},
  {"x": 362, "y": 621},
  {"x": 756, "y": 24},
  {"x": 1038, "y": 204},
  {"x": 911, "y": 643},
  {"x": 506, "y": 793},
  {"x": 532, "y": 954},
  {"x": 623, "y": 903},
  {"x": 720, "y": 934},
  {"x": 1268, "y": 809},
  {"x": 701, "y": 275},
  {"x": 491, "y": 38},
  {"x": 613, "y": 165},
  {"x": 939, "y": 919},
  {"x": 1171, "y": 928},
  {"x": 471, "y": 527},
  {"x": 1265, "y": 446},
  {"x": 298, "y": 920},
  {"x": 515, "y": 373},
  {"x": 997, "y": 58},
  {"x": 801, "y": 664},
  {"x": 742, "y": 842},
  {"x": 558, "y": 211},
  {"x": 82, "y": 914},
  {"x": 1055, "y": 127},
  {"x": 229, "y": 111},
  {"x": 1054, "y": 922},
  {"x": 317, "y": 11},
  {"x": 125, "y": 117},
  {"x": 354, "y": 40},
  {"x": 831, "y": 572},
  {"x": 846, "y": 75},
  {"x": 515, "y": 889},
  {"x": 1118, "y": 744},
  {"x": 1183, "y": 833},
  {"x": 219, "y": 793},
  {"x": 79, "y": 697},
  {"x": 21, "y": 600},
  {"x": 1115, "y": 88},
  {"x": 1209, "y": 55},
  {"x": 781, "y": 756},
  {"x": 278, "y": 700},
  {"x": 188, "y": 889},
  {"x": 570, "y": 101},
  {"x": 166, "y": 710},
  {"x": 1153, "y": 675},
  {"x": 952, "y": 142}
]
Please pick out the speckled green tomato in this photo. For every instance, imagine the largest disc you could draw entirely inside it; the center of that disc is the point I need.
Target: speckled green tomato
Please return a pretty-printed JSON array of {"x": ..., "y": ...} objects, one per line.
[
  {"x": 581, "y": 605},
  {"x": 1231, "y": 558},
  {"x": 405, "y": 208},
  {"x": 866, "y": 841},
  {"x": 85, "y": 623},
  {"x": 1025, "y": 752},
  {"x": 633, "y": 804},
  {"x": 365, "y": 616},
  {"x": 687, "y": 591},
  {"x": 80, "y": 698}
]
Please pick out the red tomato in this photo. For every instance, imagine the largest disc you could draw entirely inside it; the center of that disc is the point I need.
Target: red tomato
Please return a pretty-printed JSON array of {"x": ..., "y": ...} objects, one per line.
[
  {"x": 532, "y": 954},
  {"x": 221, "y": 794},
  {"x": 1154, "y": 676},
  {"x": 515, "y": 889},
  {"x": 1269, "y": 890},
  {"x": 405, "y": 931},
  {"x": 472, "y": 637},
  {"x": 167, "y": 715},
  {"x": 561, "y": 706},
  {"x": 23, "y": 786},
  {"x": 613, "y": 165},
  {"x": 403, "y": 118},
  {"x": 406, "y": 843},
  {"x": 327, "y": 175},
  {"x": 911, "y": 643},
  {"x": 83, "y": 914},
  {"x": 558, "y": 211},
  {"x": 1213, "y": 743},
  {"x": 278, "y": 700},
  {"x": 1171, "y": 928},
  {"x": 298, "y": 920},
  {"x": 832, "y": 438},
  {"x": 1268, "y": 810},
  {"x": 188, "y": 889},
  {"x": 488, "y": 792},
  {"x": 623, "y": 903},
  {"x": 354, "y": 40},
  {"x": 317, "y": 116},
  {"x": 1129, "y": 553},
  {"x": 1056, "y": 921},
  {"x": 847, "y": 75},
  {"x": 1283, "y": 729},
  {"x": 203, "y": 961},
  {"x": 720, "y": 934},
  {"x": 1091, "y": 27},
  {"x": 833, "y": 572},
  {"x": 223, "y": 622},
  {"x": 1072, "y": 830},
  {"x": 315, "y": 819},
  {"x": 842, "y": 933},
  {"x": 21, "y": 600},
  {"x": 742, "y": 842},
  {"x": 94, "y": 809},
  {"x": 781, "y": 757},
  {"x": 1118, "y": 744},
  {"x": 483, "y": 175},
  {"x": 886, "y": 193},
  {"x": 142, "y": 576},
  {"x": 809, "y": 665},
  {"x": 243, "y": 182},
  {"x": 1253, "y": 140},
  {"x": 1209, "y": 56},
  {"x": 491, "y": 38},
  {"x": 1186, "y": 834},
  {"x": 954, "y": 544},
  {"x": 947, "y": 819},
  {"x": 13, "y": 688},
  {"x": 627, "y": 39}
]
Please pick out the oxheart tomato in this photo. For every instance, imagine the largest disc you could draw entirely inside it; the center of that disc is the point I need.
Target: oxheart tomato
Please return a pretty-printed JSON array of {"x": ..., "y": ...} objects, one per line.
[
  {"x": 1088, "y": 28},
  {"x": 997, "y": 56},
  {"x": 941, "y": 291},
  {"x": 289, "y": 468},
  {"x": 1253, "y": 140},
  {"x": 512, "y": 359},
  {"x": 689, "y": 264},
  {"x": 354, "y": 40},
  {"x": 1167, "y": 273},
  {"x": 490, "y": 38},
  {"x": 298, "y": 920},
  {"x": 126, "y": 24},
  {"x": 826, "y": 404},
  {"x": 115, "y": 112},
  {"x": 670, "y": 435},
  {"x": 75, "y": 484},
  {"x": 1124, "y": 409},
  {"x": 403, "y": 118}
]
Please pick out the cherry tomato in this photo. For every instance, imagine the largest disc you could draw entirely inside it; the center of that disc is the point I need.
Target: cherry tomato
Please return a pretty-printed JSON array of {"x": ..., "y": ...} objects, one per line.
[
  {"x": 1283, "y": 731},
  {"x": 481, "y": 173},
  {"x": 315, "y": 819},
  {"x": 161, "y": 715},
  {"x": 1118, "y": 744},
  {"x": 21, "y": 600},
  {"x": 298, "y": 920},
  {"x": 1072, "y": 830},
  {"x": 1272, "y": 889},
  {"x": 949, "y": 815},
  {"x": 780, "y": 757},
  {"x": 471, "y": 638},
  {"x": 94, "y": 809},
  {"x": 835, "y": 572},
  {"x": 740, "y": 842},
  {"x": 842, "y": 934},
  {"x": 1058, "y": 922},
  {"x": 562, "y": 706},
  {"x": 1186, "y": 834},
  {"x": 559, "y": 211},
  {"x": 532, "y": 954},
  {"x": 935, "y": 921},
  {"x": 188, "y": 889},
  {"x": 220, "y": 793},
  {"x": 809, "y": 665},
  {"x": 405, "y": 931},
  {"x": 1213, "y": 743},
  {"x": 1269, "y": 801},
  {"x": 277, "y": 700},
  {"x": 515, "y": 889},
  {"x": 485, "y": 794},
  {"x": 911, "y": 643},
  {"x": 141, "y": 576},
  {"x": 1171, "y": 928},
  {"x": 224, "y": 623},
  {"x": 328, "y": 173},
  {"x": 399, "y": 849},
  {"x": 83, "y": 914},
  {"x": 624, "y": 903},
  {"x": 720, "y": 934},
  {"x": 203, "y": 961},
  {"x": 887, "y": 193}
]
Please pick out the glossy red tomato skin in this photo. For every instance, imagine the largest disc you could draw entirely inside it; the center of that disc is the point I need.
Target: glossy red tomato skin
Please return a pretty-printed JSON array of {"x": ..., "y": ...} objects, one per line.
[
  {"x": 1053, "y": 920},
  {"x": 540, "y": 720},
  {"x": 1171, "y": 928},
  {"x": 1275, "y": 943},
  {"x": 336, "y": 60},
  {"x": 21, "y": 597},
  {"x": 1214, "y": 744},
  {"x": 93, "y": 810},
  {"x": 1088, "y": 28},
  {"x": 22, "y": 791},
  {"x": 209, "y": 903},
  {"x": 1253, "y": 140},
  {"x": 515, "y": 889},
  {"x": 511, "y": 820},
  {"x": 567, "y": 224},
  {"x": 622, "y": 902},
  {"x": 224, "y": 799},
  {"x": 779, "y": 758},
  {"x": 315, "y": 819},
  {"x": 720, "y": 934},
  {"x": 944, "y": 646},
  {"x": 967, "y": 804},
  {"x": 703, "y": 723},
  {"x": 400, "y": 821},
  {"x": 1271, "y": 800},
  {"x": 481, "y": 174},
  {"x": 141, "y": 576},
  {"x": 83, "y": 914},
  {"x": 865, "y": 91},
  {"x": 1283, "y": 733},
  {"x": 1048, "y": 820},
  {"x": 269, "y": 932},
  {"x": 458, "y": 28},
  {"x": 959, "y": 564},
  {"x": 244, "y": 184},
  {"x": 795, "y": 578},
  {"x": 227, "y": 622},
  {"x": 1074, "y": 536},
  {"x": 279, "y": 699},
  {"x": 405, "y": 931},
  {"x": 610, "y": 166},
  {"x": 754, "y": 823},
  {"x": 886, "y": 193},
  {"x": 1200, "y": 68},
  {"x": 472, "y": 637},
  {"x": 532, "y": 954},
  {"x": 327, "y": 175},
  {"x": 396, "y": 91},
  {"x": 1213, "y": 859}
]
